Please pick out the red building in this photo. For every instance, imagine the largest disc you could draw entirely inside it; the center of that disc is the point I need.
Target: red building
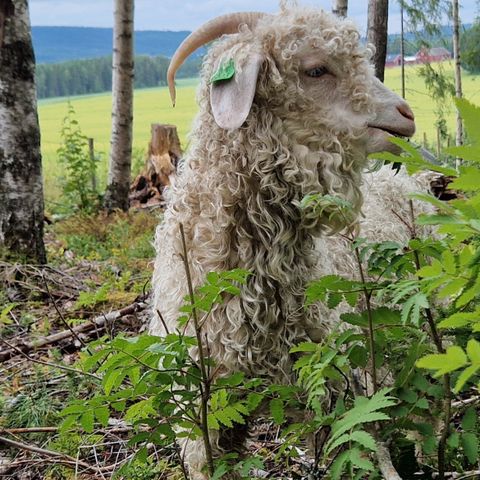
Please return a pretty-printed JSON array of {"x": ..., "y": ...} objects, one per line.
[{"x": 436, "y": 54}]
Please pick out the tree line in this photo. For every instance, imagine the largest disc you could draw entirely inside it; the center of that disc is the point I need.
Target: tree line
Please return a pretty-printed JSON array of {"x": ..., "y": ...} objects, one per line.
[{"x": 79, "y": 77}]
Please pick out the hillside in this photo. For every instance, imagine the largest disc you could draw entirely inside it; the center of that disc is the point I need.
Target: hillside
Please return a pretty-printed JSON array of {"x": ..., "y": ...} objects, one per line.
[{"x": 58, "y": 44}]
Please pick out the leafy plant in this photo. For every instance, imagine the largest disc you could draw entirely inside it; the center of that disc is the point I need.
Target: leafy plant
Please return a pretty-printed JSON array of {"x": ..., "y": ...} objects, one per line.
[{"x": 79, "y": 186}]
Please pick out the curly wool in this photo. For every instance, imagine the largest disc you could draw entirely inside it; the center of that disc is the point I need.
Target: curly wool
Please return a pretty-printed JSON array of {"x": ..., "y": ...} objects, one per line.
[{"x": 238, "y": 195}]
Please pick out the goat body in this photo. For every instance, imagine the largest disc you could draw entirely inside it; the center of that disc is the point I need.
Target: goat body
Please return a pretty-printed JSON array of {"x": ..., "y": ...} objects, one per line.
[{"x": 298, "y": 117}]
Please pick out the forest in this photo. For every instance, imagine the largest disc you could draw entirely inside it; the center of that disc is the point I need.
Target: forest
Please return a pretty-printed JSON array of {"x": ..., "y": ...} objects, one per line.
[
  {"x": 80, "y": 77},
  {"x": 293, "y": 294}
]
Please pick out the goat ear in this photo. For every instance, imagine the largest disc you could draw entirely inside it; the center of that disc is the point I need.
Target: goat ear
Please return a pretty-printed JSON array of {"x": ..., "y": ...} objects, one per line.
[{"x": 232, "y": 99}]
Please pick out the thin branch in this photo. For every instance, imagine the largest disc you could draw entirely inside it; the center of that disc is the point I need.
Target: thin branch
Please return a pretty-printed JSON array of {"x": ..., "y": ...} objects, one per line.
[
  {"x": 62, "y": 318},
  {"x": 205, "y": 385},
  {"x": 48, "y": 364},
  {"x": 59, "y": 457},
  {"x": 447, "y": 403},
  {"x": 97, "y": 322},
  {"x": 371, "y": 337}
]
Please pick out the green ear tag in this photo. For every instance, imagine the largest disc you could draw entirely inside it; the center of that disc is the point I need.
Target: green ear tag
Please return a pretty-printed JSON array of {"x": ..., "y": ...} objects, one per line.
[{"x": 225, "y": 71}]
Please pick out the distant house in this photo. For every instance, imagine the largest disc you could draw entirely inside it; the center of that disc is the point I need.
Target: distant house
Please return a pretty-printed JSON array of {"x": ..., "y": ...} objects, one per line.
[
  {"x": 425, "y": 55},
  {"x": 393, "y": 60},
  {"x": 435, "y": 54},
  {"x": 411, "y": 60}
]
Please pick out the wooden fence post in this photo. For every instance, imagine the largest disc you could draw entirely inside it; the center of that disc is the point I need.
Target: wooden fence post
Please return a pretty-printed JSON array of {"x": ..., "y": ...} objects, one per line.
[
  {"x": 91, "y": 152},
  {"x": 439, "y": 143}
]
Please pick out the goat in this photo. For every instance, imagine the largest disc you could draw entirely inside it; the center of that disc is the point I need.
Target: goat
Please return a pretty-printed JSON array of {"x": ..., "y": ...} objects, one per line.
[{"x": 293, "y": 109}]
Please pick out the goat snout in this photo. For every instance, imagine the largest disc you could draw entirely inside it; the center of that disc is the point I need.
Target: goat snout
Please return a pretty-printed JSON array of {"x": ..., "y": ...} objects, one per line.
[
  {"x": 393, "y": 117},
  {"x": 405, "y": 110}
]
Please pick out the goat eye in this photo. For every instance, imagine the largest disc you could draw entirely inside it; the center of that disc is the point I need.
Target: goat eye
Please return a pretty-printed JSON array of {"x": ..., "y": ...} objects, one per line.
[{"x": 316, "y": 72}]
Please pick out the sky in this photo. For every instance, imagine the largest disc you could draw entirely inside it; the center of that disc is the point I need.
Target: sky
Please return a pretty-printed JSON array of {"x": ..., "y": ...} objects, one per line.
[{"x": 187, "y": 15}]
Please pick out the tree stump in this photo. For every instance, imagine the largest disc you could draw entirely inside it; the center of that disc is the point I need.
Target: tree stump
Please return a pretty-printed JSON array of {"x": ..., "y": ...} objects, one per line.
[{"x": 164, "y": 152}]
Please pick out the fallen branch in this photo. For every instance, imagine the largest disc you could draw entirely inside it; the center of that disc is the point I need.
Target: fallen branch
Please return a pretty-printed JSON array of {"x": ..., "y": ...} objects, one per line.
[
  {"x": 13, "y": 348},
  {"x": 105, "y": 431},
  {"x": 466, "y": 402},
  {"x": 59, "y": 457},
  {"x": 98, "y": 322},
  {"x": 384, "y": 461}
]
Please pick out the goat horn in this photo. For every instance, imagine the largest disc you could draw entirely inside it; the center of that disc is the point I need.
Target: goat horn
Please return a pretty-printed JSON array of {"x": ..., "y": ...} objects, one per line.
[{"x": 215, "y": 28}]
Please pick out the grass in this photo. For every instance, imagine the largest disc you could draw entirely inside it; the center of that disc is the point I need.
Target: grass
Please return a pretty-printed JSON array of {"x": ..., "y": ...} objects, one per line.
[
  {"x": 153, "y": 106},
  {"x": 93, "y": 112}
]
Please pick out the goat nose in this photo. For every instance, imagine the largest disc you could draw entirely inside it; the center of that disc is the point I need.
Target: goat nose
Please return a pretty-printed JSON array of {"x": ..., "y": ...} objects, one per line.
[{"x": 406, "y": 111}]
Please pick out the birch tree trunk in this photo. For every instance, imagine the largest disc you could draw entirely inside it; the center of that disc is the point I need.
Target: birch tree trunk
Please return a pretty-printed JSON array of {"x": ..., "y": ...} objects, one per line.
[
  {"x": 21, "y": 188},
  {"x": 116, "y": 196},
  {"x": 340, "y": 8},
  {"x": 377, "y": 33},
  {"x": 458, "y": 72}
]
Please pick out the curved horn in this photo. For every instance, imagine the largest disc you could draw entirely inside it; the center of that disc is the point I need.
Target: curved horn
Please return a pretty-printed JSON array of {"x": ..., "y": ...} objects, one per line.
[{"x": 208, "y": 32}]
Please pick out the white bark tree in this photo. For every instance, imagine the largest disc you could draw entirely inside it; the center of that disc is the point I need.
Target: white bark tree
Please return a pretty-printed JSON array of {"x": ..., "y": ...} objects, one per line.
[
  {"x": 340, "y": 8},
  {"x": 377, "y": 34},
  {"x": 458, "y": 70},
  {"x": 21, "y": 186},
  {"x": 116, "y": 196}
]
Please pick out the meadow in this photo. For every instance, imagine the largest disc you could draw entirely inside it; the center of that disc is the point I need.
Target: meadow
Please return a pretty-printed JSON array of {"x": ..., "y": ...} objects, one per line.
[{"x": 153, "y": 106}]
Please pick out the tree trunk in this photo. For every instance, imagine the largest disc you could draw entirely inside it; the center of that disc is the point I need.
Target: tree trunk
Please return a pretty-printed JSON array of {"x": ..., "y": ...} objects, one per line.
[
  {"x": 21, "y": 186},
  {"x": 377, "y": 34},
  {"x": 116, "y": 196},
  {"x": 402, "y": 49},
  {"x": 164, "y": 152},
  {"x": 458, "y": 72},
  {"x": 340, "y": 8}
]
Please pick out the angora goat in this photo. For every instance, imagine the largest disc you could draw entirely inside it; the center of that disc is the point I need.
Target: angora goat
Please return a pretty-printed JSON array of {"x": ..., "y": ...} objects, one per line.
[{"x": 298, "y": 115}]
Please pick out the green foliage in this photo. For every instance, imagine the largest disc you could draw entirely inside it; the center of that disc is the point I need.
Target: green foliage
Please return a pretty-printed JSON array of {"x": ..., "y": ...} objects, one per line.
[
  {"x": 470, "y": 48},
  {"x": 391, "y": 332},
  {"x": 79, "y": 186},
  {"x": 80, "y": 77}
]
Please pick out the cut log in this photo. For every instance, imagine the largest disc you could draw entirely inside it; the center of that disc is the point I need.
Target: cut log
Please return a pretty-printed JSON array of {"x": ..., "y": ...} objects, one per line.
[{"x": 164, "y": 153}]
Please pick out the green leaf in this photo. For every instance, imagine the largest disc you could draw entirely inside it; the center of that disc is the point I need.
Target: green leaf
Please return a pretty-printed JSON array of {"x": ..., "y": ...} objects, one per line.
[
  {"x": 468, "y": 181},
  {"x": 102, "y": 414},
  {"x": 73, "y": 410},
  {"x": 432, "y": 270},
  {"x": 234, "y": 414},
  {"x": 465, "y": 376},
  {"x": 466, "y": 297},
  {"x": 212, "y": 421},
  {"x": 4, "y": 318},
  {"x": 443, "y": 363},
  {"x": 364, "y": 439},
  {"x": 470, "y": 446},
  {"x": 87, "y": 421},
  {"x": 337, "y": 467},
  {"x": 365, "y": 411},
  {"x": 471, "y": 153},
  {"x": 277, "y": 411},
  {"x": 422, "y": 404},
  {"x": 342, "y": 439},
  {"x": 452, "y": 288},
  {"x": 454, "y": 440},
  {"x": 357, "y": 459},
  {"x": 469, "y": 420},
  {"x": 473, "y": 351},
  {"x": 141, "y": 409},
  {"x": 225, "y": 71},
  {"x": 461, "y": 319},
  {"x": 305, "y": 347},
  {"x": 470, "y": 114}
]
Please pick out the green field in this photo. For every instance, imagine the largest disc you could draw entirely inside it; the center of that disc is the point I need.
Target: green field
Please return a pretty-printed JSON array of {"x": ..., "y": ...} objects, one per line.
[{"x": 153, "y": 106}]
